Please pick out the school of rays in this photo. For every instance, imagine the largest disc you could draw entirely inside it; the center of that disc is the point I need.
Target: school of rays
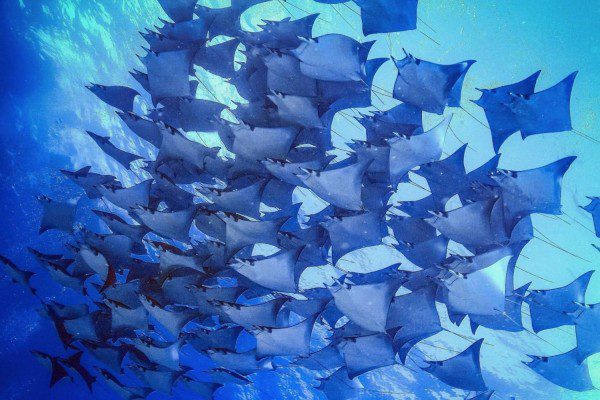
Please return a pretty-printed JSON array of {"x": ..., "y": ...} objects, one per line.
[{"x": 206, "y": 252}]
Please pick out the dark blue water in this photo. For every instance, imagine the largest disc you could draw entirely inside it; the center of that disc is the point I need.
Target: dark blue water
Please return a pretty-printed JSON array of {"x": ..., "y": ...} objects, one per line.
[{"x": 26, "y": 168}]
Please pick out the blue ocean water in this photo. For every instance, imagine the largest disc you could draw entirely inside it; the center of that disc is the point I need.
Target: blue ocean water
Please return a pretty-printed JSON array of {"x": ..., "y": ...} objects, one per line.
[{"x": 52, "y": 48}]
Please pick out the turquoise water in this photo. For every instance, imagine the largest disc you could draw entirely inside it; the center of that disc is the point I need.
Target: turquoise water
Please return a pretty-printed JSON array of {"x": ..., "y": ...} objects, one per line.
[{"x": 53, "y": 48}]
